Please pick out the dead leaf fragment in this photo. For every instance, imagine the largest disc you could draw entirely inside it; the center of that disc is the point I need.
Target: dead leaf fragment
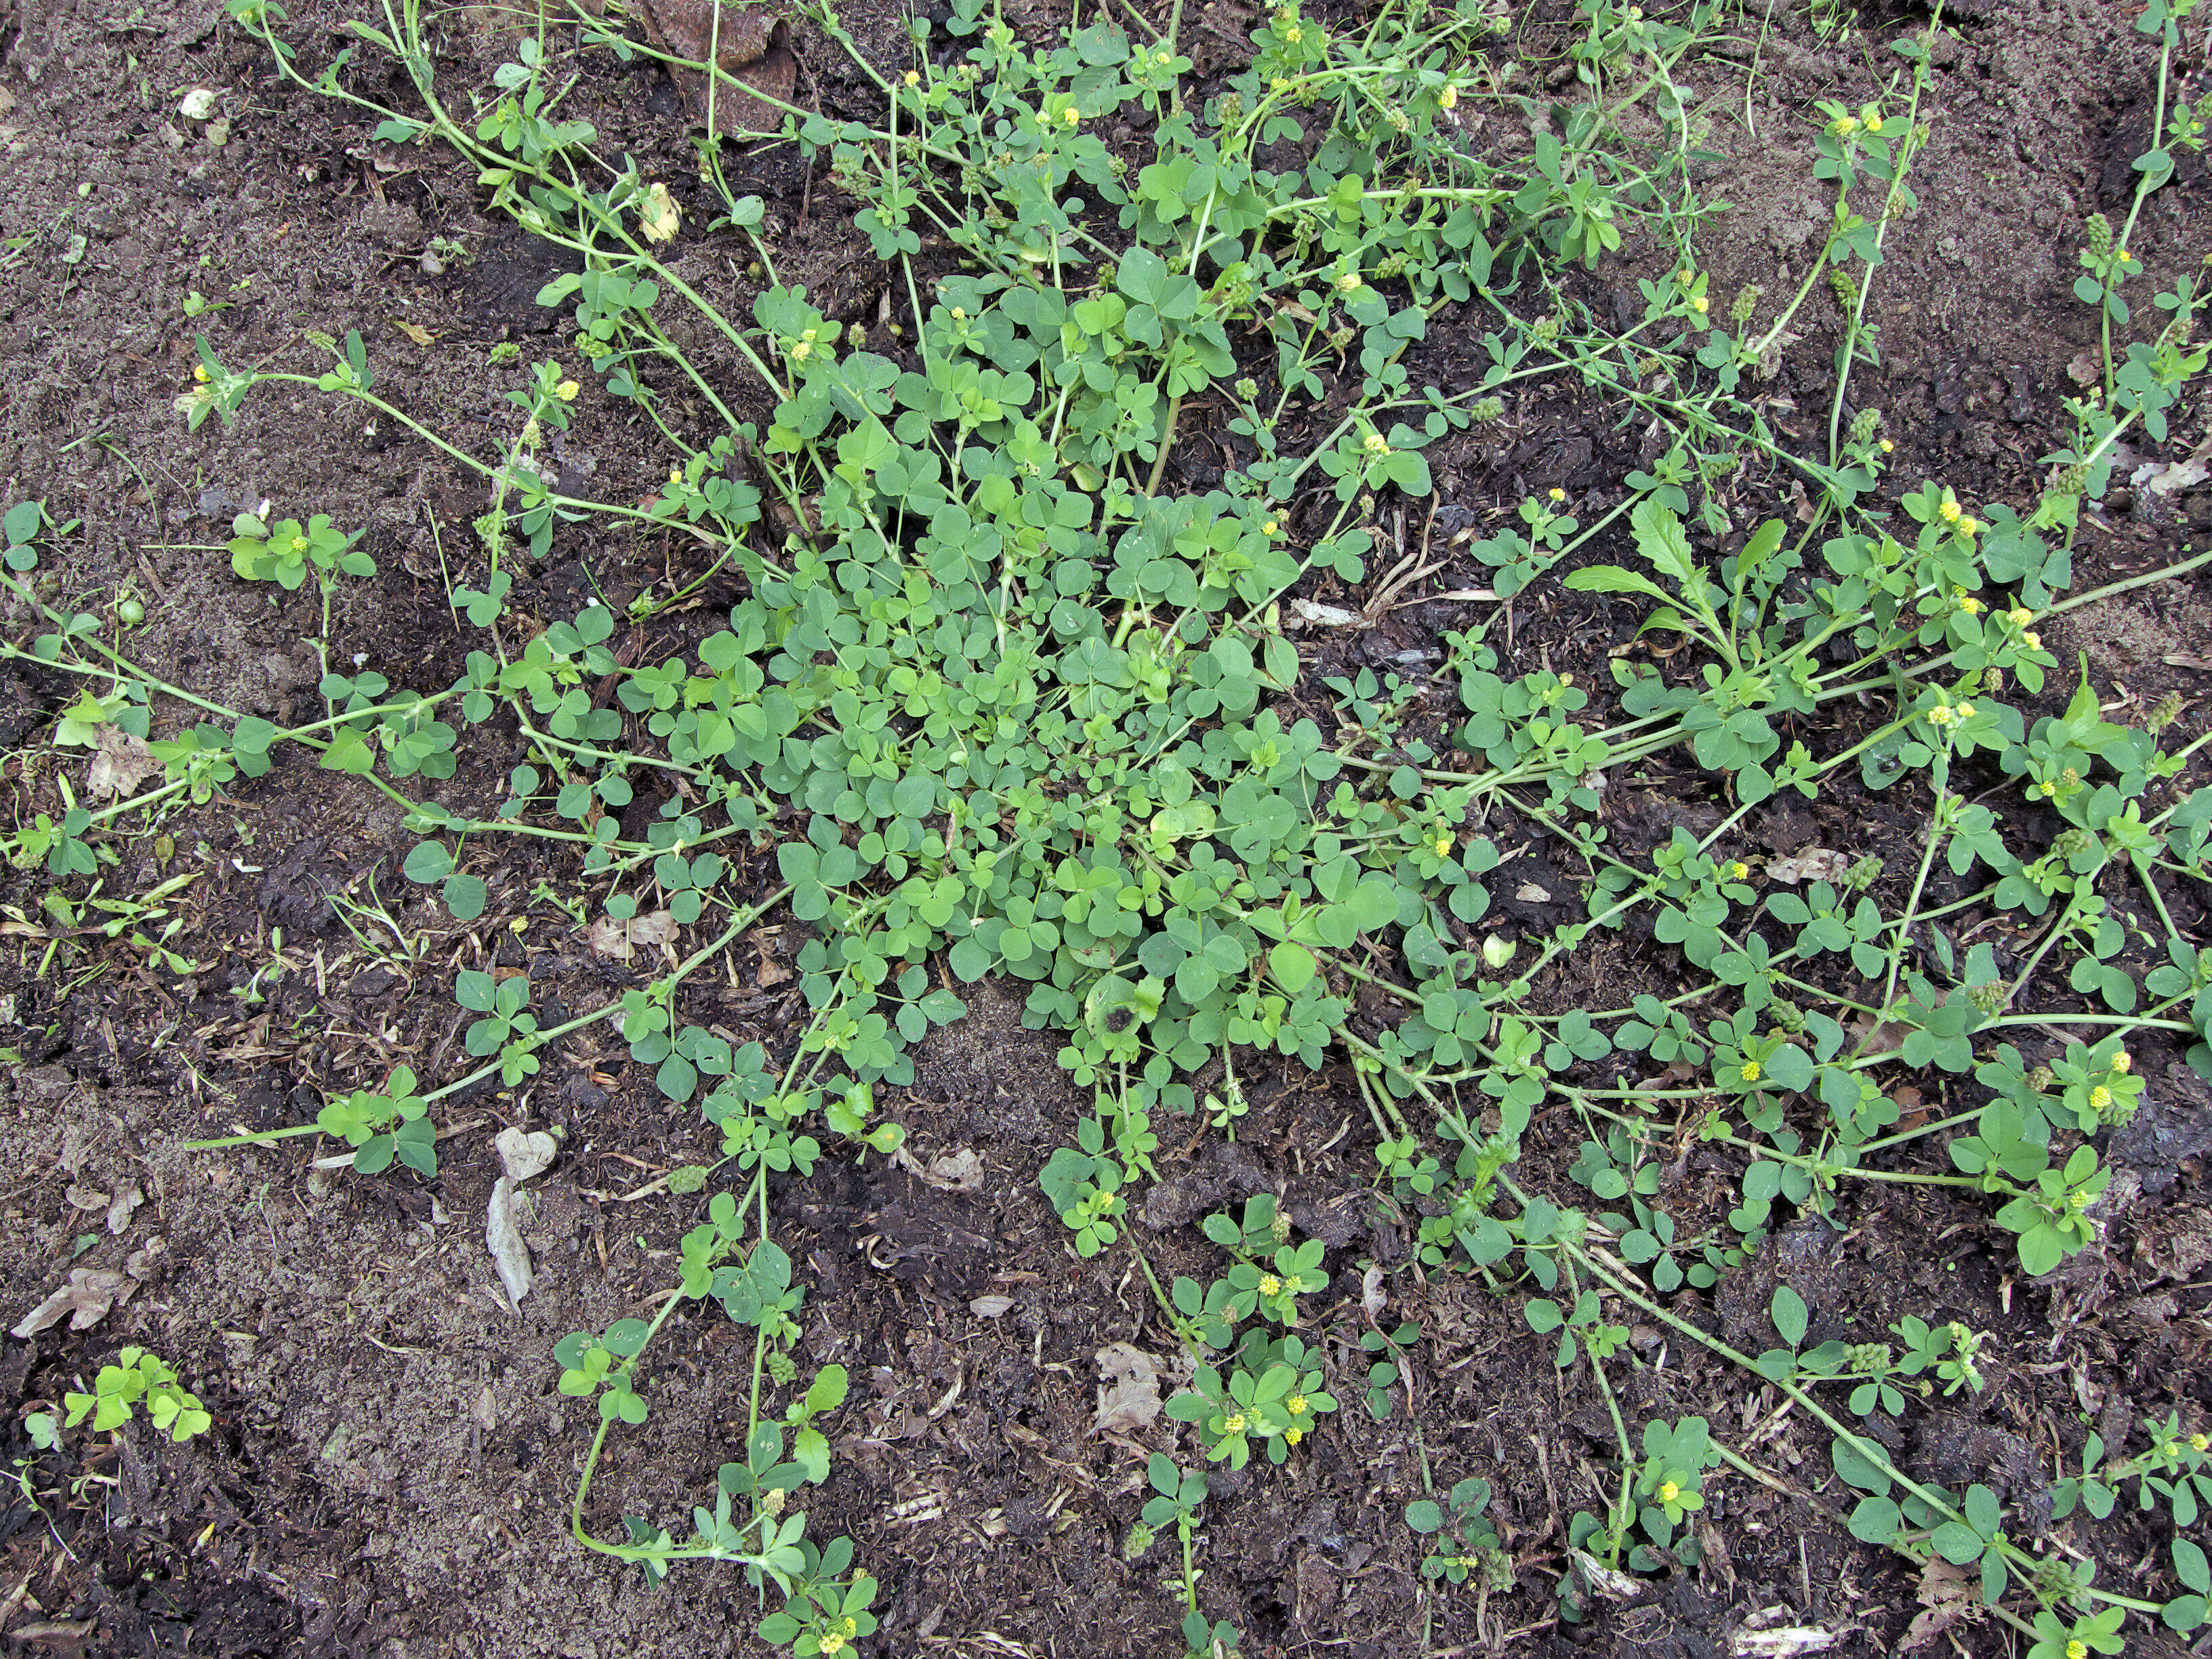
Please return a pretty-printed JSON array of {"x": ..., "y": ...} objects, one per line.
[
  {"x": 1324, "y": 616},
  {"x": 415, "y": 331},
  {"x": 119, "y": 762},
  {"x": 1372, "y": 1300},
  {"x": 1813, "y": 864},
  {"x": 1131, "y": 1397},
  {"x": 85, "y": 1198},
  {"x": 660, "y": 217},
  {"x": 991, "y": 1307},
  {"x": 949, "y": 1172},
  {"x": 90, "y": 1292},
  {"x": 523, "y": 1153},
  {"x": 1528, "y": 893},
  {"x": 1947, "y": 1596},
  {"x": 621, "y": 939},
  {"x": 123, "y": 1206},
  {"x": 503, "y": 1239},
  {"x": 1607, "y": 1582},
  {"x": 748, "y": 48}
]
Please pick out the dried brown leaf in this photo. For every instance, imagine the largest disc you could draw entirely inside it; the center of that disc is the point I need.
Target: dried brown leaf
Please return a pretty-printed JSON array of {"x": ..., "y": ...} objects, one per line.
[
  {"x": 1947, "y": 1596},
  {"x": 120, "y": 762},
  {"x": 949, "y": 1172},
  {"x": 90, "y": 1292},
  {"x": 1813, "y": 864},
  {"x": 1131, "y": 1396},
  {"x": 503, "y": 1239},
  {"x": 123, "y": 1206},
  {"x": 746, "y": 45},
  {"x": 621, "y": 940}
]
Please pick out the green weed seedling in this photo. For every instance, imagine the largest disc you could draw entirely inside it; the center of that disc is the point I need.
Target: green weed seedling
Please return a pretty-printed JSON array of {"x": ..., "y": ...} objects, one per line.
[
  {"x": 137, "y": 1381},
  {"x": 1002, "y": 696},
  {"x": 1464, "y": 1543}
]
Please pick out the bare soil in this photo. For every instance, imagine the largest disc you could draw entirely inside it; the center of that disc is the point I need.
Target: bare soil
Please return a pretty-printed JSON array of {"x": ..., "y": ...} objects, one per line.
[{"x": 391, "y": 1467}]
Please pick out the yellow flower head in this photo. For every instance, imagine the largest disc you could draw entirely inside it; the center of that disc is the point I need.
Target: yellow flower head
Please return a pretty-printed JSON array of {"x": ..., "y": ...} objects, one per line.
[
  {"x": 1442, "y": 843},
  {"x": 200, "y": 372},
  {"x": 832, "y": 1644},
  {"x": 2100, "y": 1098},
  {"x": 1970, "y": 605},
  {"x": 2047, "y": 789},
  {"x": 2074, "y": 1649},
  {"x": 1669, "y": 1491},
  {"x": 2199, "y": 1443},
  {"x": 298, "y": 544},
  {"x": 1701, "y": 304},
  {"x": 1887, "y": 446},
  {"x": 1950, "y": 511},
  {"x": 914, "y": 77},
  {"x": 2022, "y": 614},
  {"x": 675, "y": 477},
  {"x": 1750, "y": 1071},
  {"x": 1349, "y": 282},
  {"x": 1270, "y": 1285},
  {"x": 851, "y": 1626},
  {"x": 2123, "y": 1062},
  {"x": 1557, "y": 493},
  {"x": 2122, "y": 255},
  {"x": 567, "y": 390},
  {"x": 1233, "y": 1423},
  {"x": 1373, "y": 444},
  {"x": 1293, "y": 1436},
  {"x": 1844, "y": 126},
  {"x": 959, "y": 314},
  {"x": 1069, "y": 117},
  {"x": 1970, "y": 527},
  {"x": 1449, "y": 97},
  {"x": 1297, "y": 1404},
  {"x": 1294, "y": 34},
  {"x": 1278, "y": 84},
  {"x": 1738, "y": 870},
  {"x": 1271, "y": 527},
  {"x": 802, "y": 351}
]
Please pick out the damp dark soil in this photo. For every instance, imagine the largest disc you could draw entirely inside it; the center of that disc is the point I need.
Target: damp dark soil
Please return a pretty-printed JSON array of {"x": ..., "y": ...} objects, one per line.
[{"x": 390, "y": 1466}]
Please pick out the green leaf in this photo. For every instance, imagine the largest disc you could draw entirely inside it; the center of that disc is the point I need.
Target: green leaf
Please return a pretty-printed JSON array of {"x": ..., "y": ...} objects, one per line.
[
  {"x": 1788, "y": 1313},
  {"x": 428, "y": 861},
  {"x": 1291, "y": 965},
  {"x": 1955, "y": 1542},
  {"x": 466, "y": 896},
  {"x": 1612, "y": 578},
  {"x": 1424, "y": 1516},
  {"x": 1877, "y": 1521}
]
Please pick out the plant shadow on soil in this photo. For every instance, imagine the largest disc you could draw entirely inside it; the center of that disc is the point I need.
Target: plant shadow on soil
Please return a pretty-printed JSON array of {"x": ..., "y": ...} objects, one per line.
[{"x": 391, "y": 1467}]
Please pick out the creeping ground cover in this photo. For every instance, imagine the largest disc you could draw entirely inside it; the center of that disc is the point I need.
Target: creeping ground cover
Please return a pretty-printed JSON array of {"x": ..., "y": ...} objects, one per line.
[{"x": 1488, "y": 953}]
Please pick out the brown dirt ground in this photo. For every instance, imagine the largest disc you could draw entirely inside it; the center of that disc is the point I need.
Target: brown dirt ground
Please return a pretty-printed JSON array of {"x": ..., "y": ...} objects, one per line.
[{"x": 390, "y": 1466}]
